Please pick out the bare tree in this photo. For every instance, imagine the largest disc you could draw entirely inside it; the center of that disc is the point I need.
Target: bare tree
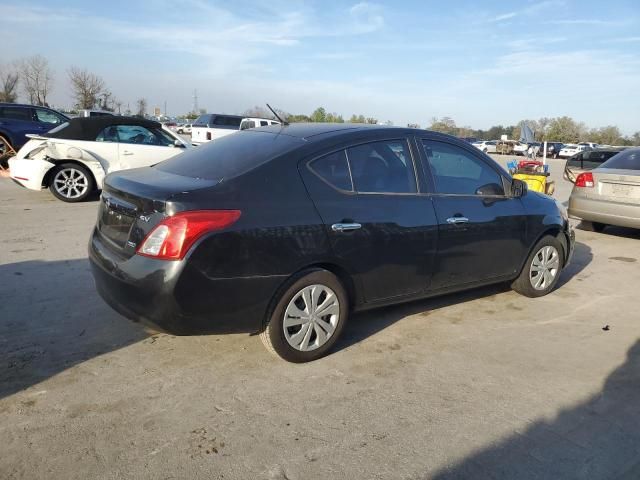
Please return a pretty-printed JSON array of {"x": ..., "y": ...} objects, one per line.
[
  {"x": 37, "y": 79},
  {"x": 9, "y": 84},
  {"x": 86, "y": 87},
  {"x": 142, "y": 107}
]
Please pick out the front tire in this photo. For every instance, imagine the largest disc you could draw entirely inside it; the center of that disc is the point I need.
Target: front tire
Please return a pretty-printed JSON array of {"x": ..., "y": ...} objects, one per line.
[
  {"x": 542, "y": 269},
  {"x": 71, "y": 182},
  {"x": 308, "y": 318}
]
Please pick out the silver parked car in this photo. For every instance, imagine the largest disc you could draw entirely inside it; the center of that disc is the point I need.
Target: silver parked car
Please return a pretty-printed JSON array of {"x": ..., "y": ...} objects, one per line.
[{"x": 609, "y": 194}]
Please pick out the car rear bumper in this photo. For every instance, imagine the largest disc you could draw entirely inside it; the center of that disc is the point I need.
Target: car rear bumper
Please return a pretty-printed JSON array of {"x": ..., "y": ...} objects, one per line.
[
  {"x": 29, "y": 173},
  {"x": 176, "y": 298},
  {"x": 604, "y": 211}
]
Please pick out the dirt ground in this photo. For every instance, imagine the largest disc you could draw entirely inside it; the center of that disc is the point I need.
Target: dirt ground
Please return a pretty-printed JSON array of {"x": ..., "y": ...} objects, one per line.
[{"x": 480, "y": 385}]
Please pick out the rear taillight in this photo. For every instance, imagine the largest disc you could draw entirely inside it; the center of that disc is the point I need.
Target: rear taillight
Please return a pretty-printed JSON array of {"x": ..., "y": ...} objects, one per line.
[
  {"x": 585, "y": 180},
  {"x": 172, "y": 238}
]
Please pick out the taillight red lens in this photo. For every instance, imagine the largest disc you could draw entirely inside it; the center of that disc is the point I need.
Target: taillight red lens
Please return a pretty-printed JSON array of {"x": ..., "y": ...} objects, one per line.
[
  {"x": 172, "y": 238},
  {"x": 585, "y": 180}
]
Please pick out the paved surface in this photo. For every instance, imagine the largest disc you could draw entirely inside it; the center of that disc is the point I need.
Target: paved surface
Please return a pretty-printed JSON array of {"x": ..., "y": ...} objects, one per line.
[{"x": 483, "y": 385}]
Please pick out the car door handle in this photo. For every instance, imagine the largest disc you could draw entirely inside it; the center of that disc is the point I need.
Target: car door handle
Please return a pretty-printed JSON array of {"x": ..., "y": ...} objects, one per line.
[
  {"x": 345, "y": 227},
  {"x": 126, "y": 152},
  {"x": 455, "y": 220}
]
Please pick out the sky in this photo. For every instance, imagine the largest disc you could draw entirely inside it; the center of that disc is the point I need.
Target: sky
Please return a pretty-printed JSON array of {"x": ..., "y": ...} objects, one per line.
[{"x": 481, "y": 63}]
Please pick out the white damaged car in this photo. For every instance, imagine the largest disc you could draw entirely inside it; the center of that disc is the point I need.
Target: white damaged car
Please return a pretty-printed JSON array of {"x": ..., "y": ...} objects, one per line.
[{"x": 73, "y": 158}]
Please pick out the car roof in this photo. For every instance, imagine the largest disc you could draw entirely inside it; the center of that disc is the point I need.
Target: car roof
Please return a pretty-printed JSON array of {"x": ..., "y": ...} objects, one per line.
[
  {"x": 306, "y": 131},
  {"x": 88, "y": 128}
]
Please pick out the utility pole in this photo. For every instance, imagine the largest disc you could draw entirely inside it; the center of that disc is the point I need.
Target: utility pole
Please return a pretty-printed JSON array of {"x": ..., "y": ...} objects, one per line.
[
  {"x": 165, "y": 108},
  {"x": 195, "y": 101}
]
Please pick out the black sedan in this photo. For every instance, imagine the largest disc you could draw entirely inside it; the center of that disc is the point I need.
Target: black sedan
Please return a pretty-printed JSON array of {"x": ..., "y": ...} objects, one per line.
[{"x": 284, "y": 231}]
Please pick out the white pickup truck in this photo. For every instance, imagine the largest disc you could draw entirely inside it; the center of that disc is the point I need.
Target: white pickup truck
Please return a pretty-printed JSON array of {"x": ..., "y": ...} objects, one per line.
[{"x": 213, "y": 125}]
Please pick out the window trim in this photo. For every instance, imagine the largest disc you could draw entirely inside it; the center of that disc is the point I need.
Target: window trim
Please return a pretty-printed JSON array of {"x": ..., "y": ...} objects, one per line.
[
  {"x": 326, "y": 154},
  {"x": 506, "y": 182},
  {"x": 353, "y": 191},
  {"x": 407, "y": 142}
]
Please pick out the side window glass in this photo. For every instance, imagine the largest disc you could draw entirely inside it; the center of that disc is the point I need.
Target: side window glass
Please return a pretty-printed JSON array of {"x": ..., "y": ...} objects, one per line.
[
  {"x": 109, "y": 134},
  {"x": 17, "y": 113},
  {"x": 263, "y": 123},
  {"x": 333, "y": 169},
  {"x": 458, "y": 172},
  {"x": 382, "y": 167},
  {"x": 45, "y": 116},
  {"x": 142, "y": 136}
]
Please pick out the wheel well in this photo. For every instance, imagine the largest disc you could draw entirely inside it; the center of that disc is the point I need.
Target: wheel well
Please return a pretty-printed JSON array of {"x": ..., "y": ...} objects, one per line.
[
  {"x": 553, "y": 231},
  {"x": 341, "y": 273},
  {"x": 46, "y": 180}
]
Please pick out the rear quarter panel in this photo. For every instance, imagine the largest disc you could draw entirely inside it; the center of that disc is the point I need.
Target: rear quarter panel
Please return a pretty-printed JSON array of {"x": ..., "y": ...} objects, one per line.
[{"x": 279, "y": 233}]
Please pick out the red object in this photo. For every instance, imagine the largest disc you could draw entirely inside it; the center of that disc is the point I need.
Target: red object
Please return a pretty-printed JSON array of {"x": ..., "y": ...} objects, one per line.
[
  {"x": 179, "y": 232},
  {"x": 21, "y": 178},
  {"x": 585, "y": 180},
  {"x": 524, "y": 164}
]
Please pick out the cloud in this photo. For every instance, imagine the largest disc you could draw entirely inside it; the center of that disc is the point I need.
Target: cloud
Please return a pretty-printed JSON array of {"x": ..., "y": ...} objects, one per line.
[
  {"x": 367, "y": 17},
  {"x": 504, "y": 16},
  {"x": 587, "y": 21},
  {"x": 623, "y": 40}
]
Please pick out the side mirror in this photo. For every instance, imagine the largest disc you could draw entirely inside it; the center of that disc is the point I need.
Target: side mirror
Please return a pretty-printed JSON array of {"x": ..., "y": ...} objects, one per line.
[
  {"x": 518, "y": 188},
  {"x": 178, "y": 144},
  {"x": 490, "y": 189}
]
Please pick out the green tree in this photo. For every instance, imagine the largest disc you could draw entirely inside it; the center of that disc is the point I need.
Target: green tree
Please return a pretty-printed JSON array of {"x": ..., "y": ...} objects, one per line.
[
  {"x": 609, "y": 135},
  {"x": 566, "y": 129},
  {"x": 444, "y": 125},
  {"x": 319, "y": 115},
  {"x": 357, "y": 119},
  {"x": 635, "y": 138}
]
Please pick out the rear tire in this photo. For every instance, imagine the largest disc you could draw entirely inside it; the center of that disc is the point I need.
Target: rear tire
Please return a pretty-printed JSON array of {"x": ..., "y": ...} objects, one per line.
[
  {"x": 308, "y": 318},
  {"x": 598, "y": 227},
  {"x": 542, "y": 269},
  {"x": 71, "y": 182}
]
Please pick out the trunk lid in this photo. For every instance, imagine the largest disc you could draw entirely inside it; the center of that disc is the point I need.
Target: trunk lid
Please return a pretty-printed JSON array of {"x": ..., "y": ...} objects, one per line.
[
  {"x": 618, "y": 185},
  {"x": 133, "y": 202}
]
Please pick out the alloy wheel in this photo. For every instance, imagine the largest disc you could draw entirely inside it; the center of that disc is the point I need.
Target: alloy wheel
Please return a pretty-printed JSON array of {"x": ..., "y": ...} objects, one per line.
[
  {"x": 71, "y": 183},
  {"x": 544, "y": 267},
  {"x": 311, "y": 317}
]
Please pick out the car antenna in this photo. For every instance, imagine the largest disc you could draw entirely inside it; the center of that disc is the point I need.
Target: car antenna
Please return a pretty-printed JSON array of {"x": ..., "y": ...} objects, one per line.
[{"x": 277, "y": 116}]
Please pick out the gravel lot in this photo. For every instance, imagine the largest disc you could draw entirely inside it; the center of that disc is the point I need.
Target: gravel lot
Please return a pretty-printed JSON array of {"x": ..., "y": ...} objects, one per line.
[{"x": 481, "y": 385}]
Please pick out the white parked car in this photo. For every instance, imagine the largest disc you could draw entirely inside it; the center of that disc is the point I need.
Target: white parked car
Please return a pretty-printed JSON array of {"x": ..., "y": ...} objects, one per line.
[
  {"x": 570, "y": 149},
  {"x": 488, "y": 146},
  {"x": 73, "y": 158},
  {"x": 590, "y": 144},
  {"x": 213, "y": 125},
  {"x": 184, "y": 129}
]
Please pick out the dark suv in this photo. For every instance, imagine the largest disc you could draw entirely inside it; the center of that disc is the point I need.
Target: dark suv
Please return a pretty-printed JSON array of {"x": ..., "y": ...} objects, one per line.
[
  {"x": 18, "y": 120},
  {"x": 553, "y": 149}
]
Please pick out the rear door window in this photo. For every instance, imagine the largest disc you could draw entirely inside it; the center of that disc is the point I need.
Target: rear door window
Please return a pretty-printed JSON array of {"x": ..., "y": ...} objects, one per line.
[
  {"x": 16, "y": 113},
  {"x": 382, "y": 167},
  {"x": 334, "y": 170},
  {"x": 136, "y": 134},
  {"x": 625, "y": 160}
]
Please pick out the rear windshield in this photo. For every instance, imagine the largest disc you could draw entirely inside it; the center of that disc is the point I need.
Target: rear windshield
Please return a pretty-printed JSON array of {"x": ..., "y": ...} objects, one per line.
[
  {"x": 202, "y": 120},
  {"x": 229, "y": 156},
  {"x": 625, "y": 160}
]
